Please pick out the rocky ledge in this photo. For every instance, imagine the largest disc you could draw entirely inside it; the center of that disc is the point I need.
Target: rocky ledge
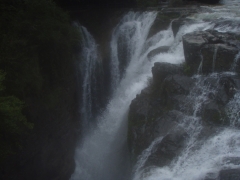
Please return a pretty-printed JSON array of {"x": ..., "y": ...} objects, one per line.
[
  {"x": 172, "y": 93},
  {"x": 211, "y": 51}
]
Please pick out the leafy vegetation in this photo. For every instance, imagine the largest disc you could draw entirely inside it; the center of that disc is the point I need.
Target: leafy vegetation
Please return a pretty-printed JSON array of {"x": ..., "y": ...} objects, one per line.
[{"x": 37, "y": 44}]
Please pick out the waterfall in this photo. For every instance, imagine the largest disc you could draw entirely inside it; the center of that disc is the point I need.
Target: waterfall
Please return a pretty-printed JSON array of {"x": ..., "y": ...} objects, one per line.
[
  {"x": 214, "y": 57},
  {"x": 143, "y": 158},
  {"x": 199, "y": 71},
  {"x": 103, "y": 154},
  {"x": 90, "y": 66},
  {"x": 127, "y": 42},
  {"x": 235, "y": 62},
  {"x": 203, "y": 156}
]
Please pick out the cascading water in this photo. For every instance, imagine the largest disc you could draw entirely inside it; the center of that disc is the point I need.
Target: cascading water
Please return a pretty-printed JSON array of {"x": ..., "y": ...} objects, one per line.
[
  {"x": 214, "y": 58},
  {"x": 203, "y": 158},
  {"x": 102, "y": 155},
  {"x": 91, "y": 70}
]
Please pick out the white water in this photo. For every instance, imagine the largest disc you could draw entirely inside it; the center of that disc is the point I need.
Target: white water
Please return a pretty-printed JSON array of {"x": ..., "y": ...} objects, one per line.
[
  {"x": 143, "y": 158},
  {"x": 214, "y": 57},
  {"x": 90, "y": 61},
  {"x": 202, "y": 159},
  {"x": 101, "y": 154},
  {"x": 98, "y": 157}
]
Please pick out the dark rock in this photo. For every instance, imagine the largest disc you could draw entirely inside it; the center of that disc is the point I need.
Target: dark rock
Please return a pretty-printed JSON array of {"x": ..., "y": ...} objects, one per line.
[
  {"x": 143, "y": 116},
  {"x": 206, "y": 46},
  {"x": 192, "y": 44},
  {"x": 225, "y": 86},
  {"x": 176, "y": 24},
  {"x": 177, "y": 84},
  {"x": 167, "y": 122},
  {"x": 218, "y": 57},
  {"x": 162, "y": 21},
  {"x": 161, "y": 70},
  {"x": 162, "y": 49},
  {"x": 212, "y": 113},
  {"x": 226, "y": 90},
  {"x": 170, "y": 146},
  {"x": 229, "y": 174}
]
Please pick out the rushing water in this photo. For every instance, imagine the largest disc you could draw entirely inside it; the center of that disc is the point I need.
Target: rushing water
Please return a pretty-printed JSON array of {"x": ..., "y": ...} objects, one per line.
[
  {"x": 102, "y": 155},
  {"x": 90, "y": 64}
]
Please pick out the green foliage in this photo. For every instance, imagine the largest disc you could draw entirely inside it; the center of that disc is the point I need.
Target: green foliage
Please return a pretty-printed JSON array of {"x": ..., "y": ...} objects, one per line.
[
  {"x": 147, "y": 3},
  {"x": 37, "y": 44},
  {"x": 12, "y": 121}
]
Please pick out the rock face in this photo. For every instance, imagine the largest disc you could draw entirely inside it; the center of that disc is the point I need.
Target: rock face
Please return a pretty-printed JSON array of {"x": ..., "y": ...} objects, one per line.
[
  {"x": 174, "y": 96},
  {"x": 170, "y": 146},
  {"x": 161, "y": 70},
  {"x": 149, "y": 115},
  {"x": 211, "y": 51},
  {"x": 229, "y": 174}
]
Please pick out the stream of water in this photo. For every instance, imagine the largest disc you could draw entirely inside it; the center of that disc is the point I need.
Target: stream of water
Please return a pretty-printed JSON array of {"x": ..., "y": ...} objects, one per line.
[{"x": 103, "y": 154}]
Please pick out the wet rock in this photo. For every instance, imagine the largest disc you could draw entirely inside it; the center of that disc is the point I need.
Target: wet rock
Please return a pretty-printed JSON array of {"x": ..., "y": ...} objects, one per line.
[
  {"x": 229, "y": 174},
  {"x": 170, "y": 146},
  {"x": 141, "y": 121},
  {"x": 177, "y": 84},
  {"x": 192, "y": 44},
  {"x": 216, "y": 51},
  {"x": 162, "y": 49},
  {"x": 176, "y": 24},
  {"x": 212, "y": 113},
  {"x": 161, "y": 70},
  {"x": 225, "y": 88},
  {"x": 163, "y": 21},
  {"x": 218, "y": 57}
]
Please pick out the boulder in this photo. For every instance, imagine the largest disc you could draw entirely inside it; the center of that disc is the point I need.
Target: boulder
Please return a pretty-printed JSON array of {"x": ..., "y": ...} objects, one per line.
[
  {"x": 161, "y": 70},
  {"x": 216, "y": 51},
  {"x": 218, "y": 57}
]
